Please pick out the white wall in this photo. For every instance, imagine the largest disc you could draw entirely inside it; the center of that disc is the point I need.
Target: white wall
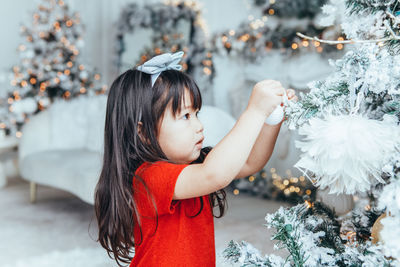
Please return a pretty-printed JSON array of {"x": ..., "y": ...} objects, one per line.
[{"x": 11, "y": 15}]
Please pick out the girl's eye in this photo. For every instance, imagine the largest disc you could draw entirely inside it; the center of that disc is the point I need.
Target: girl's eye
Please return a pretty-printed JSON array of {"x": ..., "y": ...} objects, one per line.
[
  {"x": 186, "y": 116},
  {"x": 197, "y": 113}
]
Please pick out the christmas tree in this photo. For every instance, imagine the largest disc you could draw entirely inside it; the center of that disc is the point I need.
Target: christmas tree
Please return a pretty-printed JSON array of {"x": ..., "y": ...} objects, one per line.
[
  {"x": 350, "y": 124},
  {"x": 175, "y": 26},
  {"x": 50, "y": 65}
]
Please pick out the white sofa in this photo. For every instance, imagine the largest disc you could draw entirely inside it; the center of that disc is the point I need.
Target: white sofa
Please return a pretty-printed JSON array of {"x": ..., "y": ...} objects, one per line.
[{"x": 62, "y": 146}]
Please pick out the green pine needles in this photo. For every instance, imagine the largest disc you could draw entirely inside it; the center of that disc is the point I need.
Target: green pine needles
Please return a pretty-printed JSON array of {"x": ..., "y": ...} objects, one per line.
[
  {"x": 391, "y": 11},
  {"x": 372, "y": 6},
  {"x": 310, "y": 232}
]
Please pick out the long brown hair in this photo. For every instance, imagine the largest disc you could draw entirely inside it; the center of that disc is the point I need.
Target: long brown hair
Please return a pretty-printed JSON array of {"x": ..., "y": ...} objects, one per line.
[{"x": 131, "y": 100}]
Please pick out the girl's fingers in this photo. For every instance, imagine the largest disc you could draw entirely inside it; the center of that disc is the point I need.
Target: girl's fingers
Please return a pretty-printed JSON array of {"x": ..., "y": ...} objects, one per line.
[
  {"x": 290, "y": 93},
  {"x": 279, "y": 90}
]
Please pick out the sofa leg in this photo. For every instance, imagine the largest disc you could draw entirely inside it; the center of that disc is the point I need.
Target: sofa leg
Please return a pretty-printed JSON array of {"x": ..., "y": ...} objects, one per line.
[{"x": 33, "y": 187}]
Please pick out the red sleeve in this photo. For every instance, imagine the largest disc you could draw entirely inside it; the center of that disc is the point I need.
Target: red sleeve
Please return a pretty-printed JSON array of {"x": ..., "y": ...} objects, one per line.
[{"x": 160, "y": 178}]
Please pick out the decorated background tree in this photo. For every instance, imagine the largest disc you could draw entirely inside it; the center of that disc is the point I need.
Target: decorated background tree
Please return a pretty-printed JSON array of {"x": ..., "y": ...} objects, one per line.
[
  {"x": 350, "y": 124},
  {"x": 175, "y": 26},
  {"x": 50, "y": 65}
]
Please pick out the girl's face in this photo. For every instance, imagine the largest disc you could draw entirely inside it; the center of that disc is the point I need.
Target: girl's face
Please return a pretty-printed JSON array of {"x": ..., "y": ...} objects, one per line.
[{"x": 181, "y": 136}]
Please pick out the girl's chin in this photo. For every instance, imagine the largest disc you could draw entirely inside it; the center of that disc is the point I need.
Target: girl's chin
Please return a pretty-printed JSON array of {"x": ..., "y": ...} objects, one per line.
[{"x": 195, "y": 155}]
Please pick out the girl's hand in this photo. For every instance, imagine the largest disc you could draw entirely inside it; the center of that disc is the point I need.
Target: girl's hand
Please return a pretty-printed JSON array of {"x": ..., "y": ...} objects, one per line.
[
  {"x": 291, "y": 94},
  {"x": 265, "y": 97}
]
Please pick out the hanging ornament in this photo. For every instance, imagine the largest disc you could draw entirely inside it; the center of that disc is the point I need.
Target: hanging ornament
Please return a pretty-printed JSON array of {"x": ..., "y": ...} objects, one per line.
[
  {"x": 27, "y": 105},
  {"x": 388, "y": 233},
  {"x": 376, "y": 229},
  {"x": 341, "y": 203},
  {"x": 83, "y": 75},
  {"x": 45, "y": 101},
  {"x": 347, "y": 153},
  {"x": 277, "y": 115}
]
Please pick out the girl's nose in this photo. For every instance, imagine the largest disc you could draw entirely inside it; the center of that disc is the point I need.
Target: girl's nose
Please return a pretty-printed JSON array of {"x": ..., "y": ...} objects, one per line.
[{"x": 199, "y": 126}]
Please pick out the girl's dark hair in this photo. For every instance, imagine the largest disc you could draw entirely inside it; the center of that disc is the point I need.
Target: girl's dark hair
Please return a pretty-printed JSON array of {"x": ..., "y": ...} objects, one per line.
[{"x": 132, "y": 100}]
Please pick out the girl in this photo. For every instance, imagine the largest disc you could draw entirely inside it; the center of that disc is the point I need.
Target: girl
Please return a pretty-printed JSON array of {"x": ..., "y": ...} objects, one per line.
[{"x": 158, "y": 187}]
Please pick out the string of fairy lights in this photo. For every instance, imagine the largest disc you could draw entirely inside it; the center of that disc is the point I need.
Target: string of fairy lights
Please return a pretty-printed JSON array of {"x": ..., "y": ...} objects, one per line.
[
  {"x": 274, "y": 186},
  {"x": 227, "y": 40}
]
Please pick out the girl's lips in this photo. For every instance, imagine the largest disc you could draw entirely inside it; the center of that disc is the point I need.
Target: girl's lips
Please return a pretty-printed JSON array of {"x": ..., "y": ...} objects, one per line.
[{"x": 200, "y": 143}]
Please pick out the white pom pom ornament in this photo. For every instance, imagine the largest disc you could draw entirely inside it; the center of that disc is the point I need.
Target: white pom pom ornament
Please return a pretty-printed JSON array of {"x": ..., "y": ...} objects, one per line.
[
  {"x": 276, "y": 116},
  {"x": 347, "y": 153}
]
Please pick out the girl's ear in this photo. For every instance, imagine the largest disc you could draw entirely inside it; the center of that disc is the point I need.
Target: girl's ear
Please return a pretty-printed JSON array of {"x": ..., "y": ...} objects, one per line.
[{"x": 140, "y": 133}]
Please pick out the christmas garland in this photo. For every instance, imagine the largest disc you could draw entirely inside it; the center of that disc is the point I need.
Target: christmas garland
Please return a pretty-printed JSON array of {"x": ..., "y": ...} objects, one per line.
[{"x": 163, "y": 19}]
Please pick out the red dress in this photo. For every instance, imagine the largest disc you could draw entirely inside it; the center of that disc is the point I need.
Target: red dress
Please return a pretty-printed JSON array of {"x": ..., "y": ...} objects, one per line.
[{"x": 180, "y": 238}]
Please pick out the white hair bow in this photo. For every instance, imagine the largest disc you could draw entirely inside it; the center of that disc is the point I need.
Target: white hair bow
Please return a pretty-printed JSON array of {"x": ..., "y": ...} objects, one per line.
[{"x": 158, "y": 64}]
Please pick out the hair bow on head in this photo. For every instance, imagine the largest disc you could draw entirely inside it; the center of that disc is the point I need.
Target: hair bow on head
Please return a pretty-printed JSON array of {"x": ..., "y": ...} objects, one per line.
[{"x": 158, "y": 64}]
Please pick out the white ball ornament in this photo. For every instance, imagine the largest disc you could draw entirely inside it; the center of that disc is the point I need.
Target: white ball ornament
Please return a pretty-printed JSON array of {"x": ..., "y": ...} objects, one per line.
[
  {"x": 45, "y": 101},
  {"x": 276, "y": 116},
  {"x": 28, "y": 106},
  {"x": 80, "y": 43},
  {"x": 17, "y": 108},
  {"x": 341, "y": 203},
  {"x": 29, "y": 53},
  {"x": 63, "y": 77},
  {"x": 83, "y": 75}
]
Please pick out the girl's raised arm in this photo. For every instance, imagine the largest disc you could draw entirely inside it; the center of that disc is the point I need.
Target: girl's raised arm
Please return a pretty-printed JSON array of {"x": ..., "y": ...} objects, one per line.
[{"x": 227, "y": 158}]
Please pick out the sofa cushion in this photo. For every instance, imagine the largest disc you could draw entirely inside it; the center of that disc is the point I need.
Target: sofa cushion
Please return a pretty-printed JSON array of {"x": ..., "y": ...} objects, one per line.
[
  {"x": 96, "y": 116},
  {"x": 68, "y": 123},
  {"x": 76, "y": 170}
]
